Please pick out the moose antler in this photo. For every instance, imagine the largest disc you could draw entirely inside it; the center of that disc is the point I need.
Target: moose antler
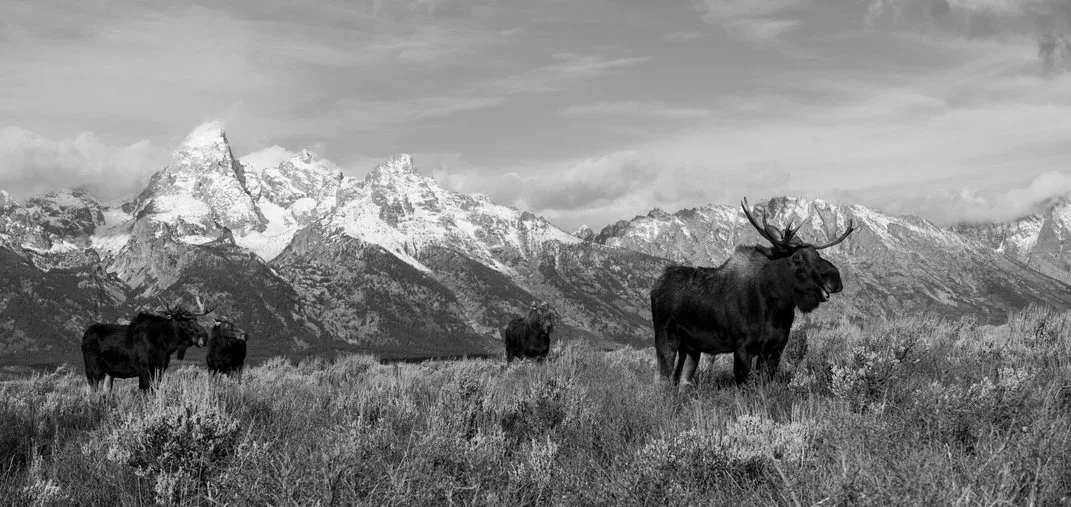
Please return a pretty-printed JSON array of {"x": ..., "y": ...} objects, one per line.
[
  {"x": 167, "y": 308},
  {"x": 768, "y": 231},
  {"x": 785, "y": 242}
]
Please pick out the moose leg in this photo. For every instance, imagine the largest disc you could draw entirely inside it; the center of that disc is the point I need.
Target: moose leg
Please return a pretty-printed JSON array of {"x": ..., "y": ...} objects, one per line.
[
  {"x": 666, "y": 349},
  {"x": 691, "y": 362},
  {"x": 679, "y": 369},
  {"x": 145, "y": 382},
  {"x": 109, "y": 380},
  {"x": 741, "y": 365},
  {"x": 94, "y": 375}
]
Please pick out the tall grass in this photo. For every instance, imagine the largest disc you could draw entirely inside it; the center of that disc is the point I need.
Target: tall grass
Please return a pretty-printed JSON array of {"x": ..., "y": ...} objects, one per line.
[{"x": 912, "y": 411}]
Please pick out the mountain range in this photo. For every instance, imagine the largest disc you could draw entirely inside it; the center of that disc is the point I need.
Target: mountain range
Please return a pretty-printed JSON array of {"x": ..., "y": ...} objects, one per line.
[{"x": 310, "y": 261}]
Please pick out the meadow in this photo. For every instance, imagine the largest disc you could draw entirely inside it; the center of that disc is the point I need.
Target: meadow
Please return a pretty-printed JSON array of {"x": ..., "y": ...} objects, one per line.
[{"x": 915, "y": 411}]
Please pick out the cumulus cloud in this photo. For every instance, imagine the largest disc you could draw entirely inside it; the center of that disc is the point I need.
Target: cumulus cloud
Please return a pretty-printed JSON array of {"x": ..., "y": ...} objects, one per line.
[
  {"x": 32, "y": 164},
  {"x": 600, "y": 190},
  {"x": 948, "y": 206}
]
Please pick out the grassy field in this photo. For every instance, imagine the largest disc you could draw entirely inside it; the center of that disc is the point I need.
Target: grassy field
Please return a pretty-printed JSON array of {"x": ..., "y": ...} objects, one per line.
[{"x": 918, "y": 411}]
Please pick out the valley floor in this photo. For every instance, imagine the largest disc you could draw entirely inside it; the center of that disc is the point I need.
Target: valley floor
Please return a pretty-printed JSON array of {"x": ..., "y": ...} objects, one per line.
[{"x": 918, "y": 411}]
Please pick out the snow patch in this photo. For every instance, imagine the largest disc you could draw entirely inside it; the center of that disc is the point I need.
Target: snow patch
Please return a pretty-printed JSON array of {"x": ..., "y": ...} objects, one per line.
[
  {"x": 114, "y": 216},
  {"x": 58, "y": 247}
]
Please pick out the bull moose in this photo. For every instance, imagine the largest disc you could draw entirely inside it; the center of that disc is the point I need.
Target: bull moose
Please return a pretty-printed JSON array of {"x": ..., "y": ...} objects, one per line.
[
  {"x": 529, "y": 336},
  {"x": 142, "y": 348},
  {"x": 226, "y": 348},
  {"x": 745, "y": 307}
]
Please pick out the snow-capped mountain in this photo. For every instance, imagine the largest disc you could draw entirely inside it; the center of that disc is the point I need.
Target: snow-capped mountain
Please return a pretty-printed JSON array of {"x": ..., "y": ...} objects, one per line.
[
  {"x": 1042, "y": 241},
  {"x": 202, "y": 189},
  {"x": 310, "y": 260},
  {"x": 53, "y": 230}
]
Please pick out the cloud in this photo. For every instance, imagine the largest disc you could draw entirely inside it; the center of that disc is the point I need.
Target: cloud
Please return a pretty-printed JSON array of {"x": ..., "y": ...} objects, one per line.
[
  {"x": 1045, "y": 22},
  {"x": 362, "y": 115},
  {"x": 760, "y": 30},
  {"x": 601, "y": 190},
  {"x": 948, "y": 206},
  {"x": 902, "y": 143},
  {"x": 31, "y": 164},
  {"x": 682, "y": 36},
  {"x": 654, "y": 109},
  {"x": 567, "y": 69},
  {"x": 754, "y": 21}
]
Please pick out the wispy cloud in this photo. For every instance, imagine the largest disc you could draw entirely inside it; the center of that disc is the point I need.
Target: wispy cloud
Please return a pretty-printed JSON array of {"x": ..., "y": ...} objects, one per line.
[
  {"x": 682, "y": 36},
  {"x": 756, "y": 21},
  {"x": 567, "y": 69},
  {"x": 353, "y": 114},
  {"x": 652, "y": 109},
  {"x": 760, "y": 29}
]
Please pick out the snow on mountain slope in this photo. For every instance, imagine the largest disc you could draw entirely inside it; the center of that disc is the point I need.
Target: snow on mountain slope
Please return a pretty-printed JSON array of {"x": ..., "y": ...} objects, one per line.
[
  {"x": 1041, "y": 241},
  {"x": 1051, "y": 252},
  {"x": 291, "y": 190},
  {"x": 403, "y": 211},
  {"x": 53, "y": 229}
]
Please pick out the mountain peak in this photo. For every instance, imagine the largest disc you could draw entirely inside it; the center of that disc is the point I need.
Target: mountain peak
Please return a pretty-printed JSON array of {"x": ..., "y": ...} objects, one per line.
[
  {"x": 306, "y": 156},
  {"x": 205, "y": 135},
  {"x": 401, "y": 163}
]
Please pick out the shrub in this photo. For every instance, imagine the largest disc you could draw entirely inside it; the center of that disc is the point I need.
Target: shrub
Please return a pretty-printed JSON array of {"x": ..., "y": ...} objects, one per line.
[{"x": 181, "y": 448}]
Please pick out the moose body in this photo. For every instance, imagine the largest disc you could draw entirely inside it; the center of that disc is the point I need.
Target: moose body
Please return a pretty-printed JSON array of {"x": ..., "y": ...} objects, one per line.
[
  {"x": 140, "y": 349},
  {"x": 226, "y": 348},
  {"x": 529, "y": 336},
  {"x": 745, "y": 307}
]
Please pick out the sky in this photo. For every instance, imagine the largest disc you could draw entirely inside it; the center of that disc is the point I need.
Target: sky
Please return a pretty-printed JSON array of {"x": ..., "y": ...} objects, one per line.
[{"x": 582, "y": 111}]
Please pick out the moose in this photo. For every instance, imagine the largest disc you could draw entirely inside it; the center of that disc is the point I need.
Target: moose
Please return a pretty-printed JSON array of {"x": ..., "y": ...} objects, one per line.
[
  {"x": 142, "y": 348},
  {"x": 226, "y": 348},
  {"x": 529, "y": 336},
  {"x": 745, "y": 307}
]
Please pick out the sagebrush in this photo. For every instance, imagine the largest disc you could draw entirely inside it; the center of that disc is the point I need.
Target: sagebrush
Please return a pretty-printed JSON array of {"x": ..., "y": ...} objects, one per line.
[{"x": 912, "y": 411}]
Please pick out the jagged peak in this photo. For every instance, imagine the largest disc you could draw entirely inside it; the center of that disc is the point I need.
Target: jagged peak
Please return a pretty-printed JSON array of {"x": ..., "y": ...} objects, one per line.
[
  {"x": 75, "y": 197},
  {"x": 398, "y": 164},
  {"x": 5, "y": 199},
  {"x": 207, "y": 134}
]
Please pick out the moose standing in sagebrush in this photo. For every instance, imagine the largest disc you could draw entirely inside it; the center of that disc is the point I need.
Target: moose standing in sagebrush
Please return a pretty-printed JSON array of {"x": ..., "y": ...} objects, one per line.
[
  {"x": 142, "y": 348},
  {"x": 529, "y": 336},
  {"x": 226, "y": 348},
  {"x": 745, "y": 307}
]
